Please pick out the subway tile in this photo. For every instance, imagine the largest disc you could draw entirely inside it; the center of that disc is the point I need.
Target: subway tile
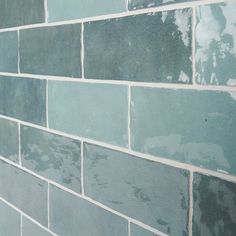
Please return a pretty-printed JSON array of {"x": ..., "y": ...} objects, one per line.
[
  {"x": 214, "y": 206},
  {"x": 24, "y": 12},
  {"x": 96, "y": 111},
  {"x": 59, "y": 10},
  {"x": 216, "y": 44},
  {"x": 53, "y": 50},
  {"x": 52, "y": 156},
  {"x": 150, "y": 192},
  {"x": 136, "y": 230},
  {"x": 70, "y": 214},
  {"x": 154, "y": 47},
  {"x": 8, "y": 51},
  {"x": 190, "y": 126},
  {"x": 9, "y": 144},
  {"x": 24, "y": 191}
]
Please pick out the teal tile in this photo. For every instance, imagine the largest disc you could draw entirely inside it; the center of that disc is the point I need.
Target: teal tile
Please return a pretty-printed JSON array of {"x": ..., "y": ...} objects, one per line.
[
  {"x": 24, "y": 191},
  {"x": 216, "y": 44},
  {"x": 71, "y": 215},
  {"x": 96, "y": 111},
  {"x": 24, "y": 12},
  {"x": 9, "y": 144},
  {"x": 154, "y": 47},
  {"x": 136, "y": 230},
  {"x": 53, "y": 50},
  {"x": 23, "y": 99},
  {"x": 214, "y": 206},
  {"x": 59, "y": 10},
  {"x": 52, "y": 156},
  {"x": 150, "y": 192},
  {"x": 8, "y": 51},
  {"x": 191, "y": 126}
]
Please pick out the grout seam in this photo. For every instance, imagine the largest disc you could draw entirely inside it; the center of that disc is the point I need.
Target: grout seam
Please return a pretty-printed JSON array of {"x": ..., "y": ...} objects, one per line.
[
  {"x": 190, "y": 223},
  {"x": 18, "y": 51},
  {"x": 48, "y": 207},
  {"x": 21, "y": 224},
  {"x": 82, "y": 50},
  {"x": 82, "y": 167},
  {"x": 129, "y": 117},
  {"x": 46, "y": 10},
  {"x": 47, "y": 122},
  {"x": 129, "y": 228},
  {"x": 194, "y": 45},
  {"x": 19, "y": 143}
]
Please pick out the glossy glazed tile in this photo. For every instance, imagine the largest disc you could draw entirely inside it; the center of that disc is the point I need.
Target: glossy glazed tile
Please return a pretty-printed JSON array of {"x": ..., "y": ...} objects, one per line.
[
  {"x": 24, "y": 191},
  {"x": 73, "y": 9},
  {"x": 191, "y": 126},
  {"x": 152, "y": 193},
  {"x": 153, "y": 47},
  {"x": 96, "y": 111},
  {"x": 51, "y": 50},
  {"x": 216, "y": 44},
  {"x": 214, "y": 206},
  {"x": 24, "y": 99},
  {"x": 136, "y": 230},
  {"x": 52, "y": 156},
  {"x": 8, "y": 51},
  {"x": 70, "y": 214},
  {"x": 21, "y": 12}
]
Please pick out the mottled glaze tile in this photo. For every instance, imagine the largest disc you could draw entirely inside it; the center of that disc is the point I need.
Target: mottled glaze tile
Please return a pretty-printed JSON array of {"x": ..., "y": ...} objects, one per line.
[
  {"x": 59, "y": 10},
  {"x": 153, "y": 47},
  {"x": 136, "y": 230},
  {"x": 24, "y": 191},
  {"x": 52, "y": 156},
  {"x": 191, "y": 126},
  {"x": 214, "y": 206},
  {"x": 8, "y": 51},
  {"x": 24, "y": 99},
  {"x": 150, "y": 192},
  {"x": 21, "y": 12},
  {"x": 96, "y": 111},
  {"x": 216, "y": 44},
  {"x": 70, "y": 214},
  {"x": 53, "y": 50}
]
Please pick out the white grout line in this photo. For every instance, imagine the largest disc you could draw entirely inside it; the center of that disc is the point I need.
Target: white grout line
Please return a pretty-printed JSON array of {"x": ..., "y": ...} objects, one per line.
[
  {"x": 193, "y": 45},
  {"x": 46, "y": 10},
  {"x": 47, "y": 123},
  {"x": 129, "y": 117},
  {"x": 21, "y": 224},
  {"x": 190, "y": 224},
  {"x": 19, "y": 143},
  {"x": 48, "y": 205},
  {"x": 18, "y": 50},
  {"x": 82, "y": 167},
  {"x": 127, "y": 5},
  {"x": 129, "y": 228},
  {"x": 82, "y": 50}
]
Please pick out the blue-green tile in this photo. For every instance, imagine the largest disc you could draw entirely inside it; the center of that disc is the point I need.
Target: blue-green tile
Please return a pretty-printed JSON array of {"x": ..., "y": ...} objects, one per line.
[
  {"x": 24, "y": 99},
  {"x": 71, "y": 216},
  {"x": 136, "y": 230},
  {"x": 216, "y": 44},
  {"x": 153, "y": 47},
  {"x": 24, "y": 191},
  {"x": 52, "y": 156},
  {"x": 8, "y": 51},
  {"x": 150, "y": 192},
  {"x": 96, "y": 111},
  {"x": 53, "y": 50},
  {"x": 214, "y": 206},
  {"x": 191, "y": 126}
]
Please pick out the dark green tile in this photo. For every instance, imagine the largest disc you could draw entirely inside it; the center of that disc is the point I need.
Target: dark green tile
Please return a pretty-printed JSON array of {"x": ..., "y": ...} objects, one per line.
[
  {"x": 136, "y": 230},
  {"x": 153, "y": 47}
]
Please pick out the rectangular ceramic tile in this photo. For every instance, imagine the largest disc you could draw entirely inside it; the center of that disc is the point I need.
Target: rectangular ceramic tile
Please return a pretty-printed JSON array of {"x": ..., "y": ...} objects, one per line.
[
  {"x": 138, "y": 188},
  {"x": 21, "y": 12},
  {"x": 153, "y": 47},
  {"x": 24, "y": 191},
  {"x": 96, "y": 111},
  {"x": 9, "y": 145},
  {"x": 191, "y": 126},
  {"x": 52, "y": 156},
  {"x": 216, "y": 44},
  {"x": 53, "y": 50},
  {"x": 59, "y": 10},
  {"x": 70, "y": 214},
  {"x": 214, "y": 206},
  {"x": 8, "y": 51},
  {"x": 9, "y": 221},
  {"x": 136, "y": 230},
  {"x": 24, "y": 99}
]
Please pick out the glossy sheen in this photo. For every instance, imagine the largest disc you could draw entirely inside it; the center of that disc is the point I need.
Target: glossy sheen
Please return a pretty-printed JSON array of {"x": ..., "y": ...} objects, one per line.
[
  {"x": 24, "y": 99},
  {"x": 21, "y": 12},
  {"x": 152, "y": 193},
  {"x": 214, "y": 206},
  {"x": 70, "y": 214},
  {"x": 216, "y": 44},
  {"x": 154, "y": 47},
  {"x": 51, "y": 50},
  {"x": 136, "y": 230},
  {"x": 52, "y": 156},
  {"x": 73, "y": 9},
  {"x": 96, "y": 111},
  {"x": 8, "y": 51},
  {"x": 24, "y": 191},
  {"x": 192, "y": 126}
]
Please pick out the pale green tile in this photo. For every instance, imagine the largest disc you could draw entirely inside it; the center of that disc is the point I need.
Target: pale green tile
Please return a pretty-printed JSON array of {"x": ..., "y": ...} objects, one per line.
[{"x": 136, "y": 230}]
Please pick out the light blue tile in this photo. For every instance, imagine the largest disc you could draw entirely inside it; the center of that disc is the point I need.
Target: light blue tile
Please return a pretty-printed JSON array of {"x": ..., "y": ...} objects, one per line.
[{"x": 136, "y": 230}]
